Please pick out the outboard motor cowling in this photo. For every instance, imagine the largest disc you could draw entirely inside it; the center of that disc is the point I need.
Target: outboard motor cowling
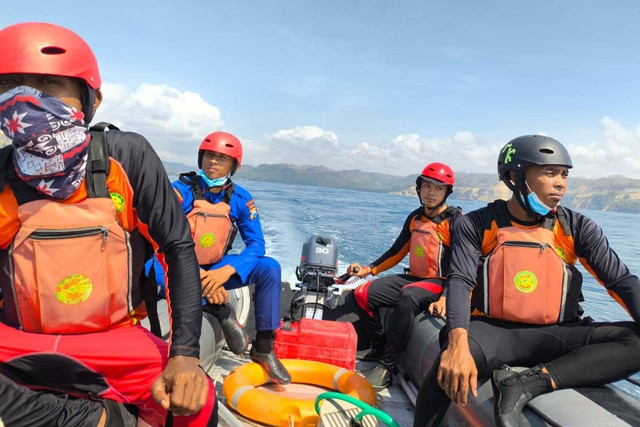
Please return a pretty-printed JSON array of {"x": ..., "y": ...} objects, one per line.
[
  {"x": 316, "y": 292},
  {"x": 318, "y": 262}
]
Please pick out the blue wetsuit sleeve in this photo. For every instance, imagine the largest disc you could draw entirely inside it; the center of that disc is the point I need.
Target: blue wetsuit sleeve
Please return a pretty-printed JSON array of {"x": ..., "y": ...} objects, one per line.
[{"x": 248, "y": 222}]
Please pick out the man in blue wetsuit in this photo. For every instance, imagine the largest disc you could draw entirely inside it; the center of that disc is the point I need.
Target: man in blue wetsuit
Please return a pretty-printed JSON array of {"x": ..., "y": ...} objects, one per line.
[{"x": 216, "y": 208}]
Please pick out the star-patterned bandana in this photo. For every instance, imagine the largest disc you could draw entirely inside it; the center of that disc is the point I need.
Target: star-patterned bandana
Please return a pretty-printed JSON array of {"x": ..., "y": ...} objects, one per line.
[{"x": 50, "y": 140}]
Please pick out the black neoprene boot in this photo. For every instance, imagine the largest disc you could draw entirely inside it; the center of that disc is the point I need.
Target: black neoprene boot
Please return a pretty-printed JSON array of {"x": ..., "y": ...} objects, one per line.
[
  {"x": 512, "y": 390},
  {"x": 380, "y": 377},
  {"x": 274, "y": 367},
  {"x": 234, "y": 334}
]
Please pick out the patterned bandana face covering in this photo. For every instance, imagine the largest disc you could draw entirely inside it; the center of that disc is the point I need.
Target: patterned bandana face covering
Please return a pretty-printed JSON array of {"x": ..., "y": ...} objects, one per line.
[{"x": 50, "y": 140}]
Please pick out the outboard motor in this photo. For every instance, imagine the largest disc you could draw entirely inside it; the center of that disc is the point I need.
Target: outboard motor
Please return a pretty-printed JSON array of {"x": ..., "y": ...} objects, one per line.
[
  {"x": 314, "y": 334},
  {"x": 316, "y": 273}
]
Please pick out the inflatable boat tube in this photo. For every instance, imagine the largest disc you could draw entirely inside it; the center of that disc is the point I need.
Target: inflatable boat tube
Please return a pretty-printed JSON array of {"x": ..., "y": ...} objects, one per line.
[
  {"x": 606, "y": 405},
  {"x": 211, "y": 337}
]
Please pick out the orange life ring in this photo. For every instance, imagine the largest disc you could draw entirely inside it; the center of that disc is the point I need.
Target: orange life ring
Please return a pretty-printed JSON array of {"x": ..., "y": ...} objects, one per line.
[{"x": 279, "y": 409}]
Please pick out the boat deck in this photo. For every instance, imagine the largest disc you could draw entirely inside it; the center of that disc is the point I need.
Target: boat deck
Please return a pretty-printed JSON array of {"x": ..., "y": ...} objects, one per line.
[{"x": 393, "y": 400}]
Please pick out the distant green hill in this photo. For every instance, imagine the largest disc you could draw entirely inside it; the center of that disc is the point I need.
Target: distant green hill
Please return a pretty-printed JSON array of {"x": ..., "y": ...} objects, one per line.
[
  {"x": 611, "y": 193},
  {"x": 175, "y": 168}
]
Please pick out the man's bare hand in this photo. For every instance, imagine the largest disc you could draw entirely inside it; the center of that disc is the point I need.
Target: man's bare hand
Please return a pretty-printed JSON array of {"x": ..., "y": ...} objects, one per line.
[
  {"x": 440, "y": 306},
  {"x": 182, "y": 387},
  {"x": 213, "y": 283},
  {"x": 362, "y": 270},
  {"x": 457, "y": 374}
]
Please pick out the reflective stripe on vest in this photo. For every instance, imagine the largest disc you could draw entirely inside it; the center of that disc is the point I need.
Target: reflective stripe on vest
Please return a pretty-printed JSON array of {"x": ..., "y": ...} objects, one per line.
[
  {"x": 210, "y": 230},
  {"x": 71, "y": 267},
  {"x": 425, "y": 253},
  {"x": 525, "y": 280}
]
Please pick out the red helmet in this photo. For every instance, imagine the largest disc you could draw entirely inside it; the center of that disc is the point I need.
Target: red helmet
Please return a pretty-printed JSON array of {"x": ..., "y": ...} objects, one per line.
[
  {"x": 221, "y": 142},
  {"x": 438, "y": 172},
  {"x": 39, "y": 48}
]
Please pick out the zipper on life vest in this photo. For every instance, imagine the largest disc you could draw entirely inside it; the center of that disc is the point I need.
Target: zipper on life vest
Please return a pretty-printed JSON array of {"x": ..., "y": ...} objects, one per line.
[
  {"x": 417, "y": 230},
  {"x": 207, "y": 215},
  {"x": 70, "y": 233},
  {"x": 542, "y": 246}
]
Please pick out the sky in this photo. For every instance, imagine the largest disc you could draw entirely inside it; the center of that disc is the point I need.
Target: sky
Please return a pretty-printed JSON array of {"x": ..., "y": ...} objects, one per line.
[{"x": 373, "y": 85}]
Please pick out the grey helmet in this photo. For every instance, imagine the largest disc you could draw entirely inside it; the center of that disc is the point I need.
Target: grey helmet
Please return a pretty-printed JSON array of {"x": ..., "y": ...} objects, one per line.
[{"x": 529, "y": 150}]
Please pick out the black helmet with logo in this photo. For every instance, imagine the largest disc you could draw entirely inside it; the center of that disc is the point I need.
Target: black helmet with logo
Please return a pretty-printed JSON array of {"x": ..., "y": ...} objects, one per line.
[{"x": 529, "y": 150}]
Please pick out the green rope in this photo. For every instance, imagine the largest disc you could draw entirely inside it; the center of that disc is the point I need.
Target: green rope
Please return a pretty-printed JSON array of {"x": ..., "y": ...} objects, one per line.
[{"x": 366, "y": 409}]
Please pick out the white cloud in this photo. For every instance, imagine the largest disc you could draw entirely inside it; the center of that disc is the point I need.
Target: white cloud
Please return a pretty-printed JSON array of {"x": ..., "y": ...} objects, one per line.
[
  {"x": 173, "y": 121},
  {"x": 301, "y": 134},
  {"x": 615, "y": 152},
  {"x": 299, "y": 145},
  {"x": 404, "y": 154}
]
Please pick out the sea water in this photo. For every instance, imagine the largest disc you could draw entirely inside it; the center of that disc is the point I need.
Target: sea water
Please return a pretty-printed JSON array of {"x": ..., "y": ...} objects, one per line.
[{"x": 365, "y": 225}]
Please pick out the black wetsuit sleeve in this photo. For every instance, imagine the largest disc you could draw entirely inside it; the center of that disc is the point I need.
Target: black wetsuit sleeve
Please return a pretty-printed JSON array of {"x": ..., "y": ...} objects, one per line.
[
  {"x": 446, "y": 249},
  {"x": 592, "y": 247},
  {"x": 158, "y": 208},
  {"x": 398, "y": 250},
  {"x": 466, "y": 252}
]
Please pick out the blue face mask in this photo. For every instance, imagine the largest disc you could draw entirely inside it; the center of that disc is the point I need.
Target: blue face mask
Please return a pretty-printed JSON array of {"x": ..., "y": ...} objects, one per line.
[
  {"x": 536, "y": 204},
  {"x": 213, "y": 182}
]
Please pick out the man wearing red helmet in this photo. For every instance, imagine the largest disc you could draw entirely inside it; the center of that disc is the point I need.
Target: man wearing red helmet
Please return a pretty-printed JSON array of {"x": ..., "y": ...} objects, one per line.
[
  {"x": 426, "y": 237},
  {"x": 217, "y": 208},
  {"x": 79, "y": 209}
]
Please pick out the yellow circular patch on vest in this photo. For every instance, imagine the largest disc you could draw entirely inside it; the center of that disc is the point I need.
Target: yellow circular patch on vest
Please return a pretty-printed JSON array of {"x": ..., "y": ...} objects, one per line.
[
  {"x": 118, "y": 201},
  {"x": 560, "y": 252},
  {"x": 420, "y": 251},
  {"x": 74, "y": 289},
  {"x": 207, "y": 239},
  {"x": 525, "y": 281},
  {"x": 441, "y": 236}
]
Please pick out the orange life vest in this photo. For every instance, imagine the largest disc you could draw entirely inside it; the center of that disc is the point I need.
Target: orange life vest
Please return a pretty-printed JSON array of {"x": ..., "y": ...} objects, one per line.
[
  {"x": 69, "y": 265},
  {"x": 426, "y": 247},
  {"x": 524, "y": 279},
  {"x": 211, "y": 227}
]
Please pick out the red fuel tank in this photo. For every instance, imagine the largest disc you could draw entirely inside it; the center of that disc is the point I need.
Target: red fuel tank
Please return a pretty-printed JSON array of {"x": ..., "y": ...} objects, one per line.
[{"x": 321, "y": 340}]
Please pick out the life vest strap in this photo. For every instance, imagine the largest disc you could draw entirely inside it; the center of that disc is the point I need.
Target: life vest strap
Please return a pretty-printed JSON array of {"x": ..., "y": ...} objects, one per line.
[
  {"x": 503, "y": 219},
  {"x": 98, "y": 161},
  {"x": 501, "y": 214},
  {"x": 448, "y": 212},
  {"x": 564, "y": 222},
  {"x": 189, "y": 178}
]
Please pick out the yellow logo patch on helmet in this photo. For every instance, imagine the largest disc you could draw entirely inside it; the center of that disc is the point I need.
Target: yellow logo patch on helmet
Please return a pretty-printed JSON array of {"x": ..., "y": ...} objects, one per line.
[
  {"x": 525, "y": 281},
  {"x": 207, "y": 240},
  {"x": 74, "y": 289}
]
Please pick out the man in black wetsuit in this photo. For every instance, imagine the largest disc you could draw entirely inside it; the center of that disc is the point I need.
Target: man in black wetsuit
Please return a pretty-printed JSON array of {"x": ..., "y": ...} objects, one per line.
[
  {"x": 426, "y": 236},
  {"x": 526, "y": 295}
]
